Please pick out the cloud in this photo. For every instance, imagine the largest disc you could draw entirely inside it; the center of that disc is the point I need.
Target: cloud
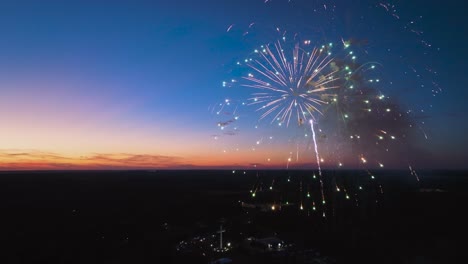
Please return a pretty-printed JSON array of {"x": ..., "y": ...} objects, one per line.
[{"x": 32, "y": 159}]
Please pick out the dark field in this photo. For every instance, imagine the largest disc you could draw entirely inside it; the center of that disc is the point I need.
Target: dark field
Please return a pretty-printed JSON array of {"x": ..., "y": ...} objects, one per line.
[{"x": 139, "y": 217}]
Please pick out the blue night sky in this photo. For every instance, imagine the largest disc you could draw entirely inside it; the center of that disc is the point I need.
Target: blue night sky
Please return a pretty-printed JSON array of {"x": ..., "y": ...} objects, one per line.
[{"x": 95, "y": 84}]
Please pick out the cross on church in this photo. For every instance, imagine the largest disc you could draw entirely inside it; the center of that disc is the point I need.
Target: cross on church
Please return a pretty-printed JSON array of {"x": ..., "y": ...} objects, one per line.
[{"x": 221, "y": 231}]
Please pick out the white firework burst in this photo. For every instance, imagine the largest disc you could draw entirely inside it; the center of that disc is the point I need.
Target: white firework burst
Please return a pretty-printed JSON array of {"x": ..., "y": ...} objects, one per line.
[{"x": 295, "y": 85}]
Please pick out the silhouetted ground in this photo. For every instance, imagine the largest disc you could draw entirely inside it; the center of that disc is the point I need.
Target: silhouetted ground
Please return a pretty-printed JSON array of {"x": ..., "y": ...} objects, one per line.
[{"x": 140, "y": 216}]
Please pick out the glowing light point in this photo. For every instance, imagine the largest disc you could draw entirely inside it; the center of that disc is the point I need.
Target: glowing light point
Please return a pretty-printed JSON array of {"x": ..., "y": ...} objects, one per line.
[
  {"x": 308, "y": 195},
  {"x": 253, "y": 194},
  {"x": 272, "y": 207}
]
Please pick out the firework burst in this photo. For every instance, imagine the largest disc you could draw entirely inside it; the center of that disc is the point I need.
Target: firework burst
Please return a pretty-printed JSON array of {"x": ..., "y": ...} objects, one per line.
[
  {"x": 295, "y": 85},
  {"x": 352, "y": 124}
]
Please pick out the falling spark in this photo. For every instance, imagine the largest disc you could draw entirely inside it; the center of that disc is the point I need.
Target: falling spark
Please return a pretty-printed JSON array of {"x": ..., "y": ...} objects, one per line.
[
  {"x": 413, "y": 172},
  {"x": 318, "y": 163}
]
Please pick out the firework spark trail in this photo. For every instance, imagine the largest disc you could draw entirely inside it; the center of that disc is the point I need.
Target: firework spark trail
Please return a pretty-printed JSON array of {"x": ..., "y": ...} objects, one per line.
[
  {"x": 413, "y": 172},
  {"x": 318, "y": 165}
]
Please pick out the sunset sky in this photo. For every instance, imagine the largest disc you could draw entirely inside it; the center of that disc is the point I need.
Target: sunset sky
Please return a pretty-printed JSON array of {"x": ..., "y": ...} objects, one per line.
[{"x": 133, "y": 84}]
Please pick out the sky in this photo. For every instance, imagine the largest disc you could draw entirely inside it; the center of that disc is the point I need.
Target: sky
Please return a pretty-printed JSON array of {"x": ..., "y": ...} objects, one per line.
[{"x": 138, "y": 84}]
